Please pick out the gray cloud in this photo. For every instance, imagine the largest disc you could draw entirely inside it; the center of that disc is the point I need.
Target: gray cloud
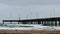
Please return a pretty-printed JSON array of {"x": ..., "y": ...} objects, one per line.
[
  {"x": 30, "y": 2},
  {"x": 12, "y": 9}
]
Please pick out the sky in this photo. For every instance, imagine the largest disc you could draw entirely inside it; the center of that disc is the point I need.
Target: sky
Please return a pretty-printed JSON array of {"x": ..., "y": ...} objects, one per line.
[{"x": 29, "y": 9}]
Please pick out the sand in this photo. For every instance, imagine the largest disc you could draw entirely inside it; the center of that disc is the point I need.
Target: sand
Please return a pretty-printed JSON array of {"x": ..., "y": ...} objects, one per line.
[{"x": 29, "y": 32}]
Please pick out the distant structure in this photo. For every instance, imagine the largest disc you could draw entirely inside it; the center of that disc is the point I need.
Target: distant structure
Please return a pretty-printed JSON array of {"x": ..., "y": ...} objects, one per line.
[{"x": 53, "y": 21}]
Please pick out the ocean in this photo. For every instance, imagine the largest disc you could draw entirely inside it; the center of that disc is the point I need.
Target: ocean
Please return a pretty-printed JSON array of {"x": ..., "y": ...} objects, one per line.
[{"x": 27, "y": 27}]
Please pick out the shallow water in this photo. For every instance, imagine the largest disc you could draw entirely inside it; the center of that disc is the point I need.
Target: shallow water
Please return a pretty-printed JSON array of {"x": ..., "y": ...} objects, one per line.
[{"x": 27, "y": 27}]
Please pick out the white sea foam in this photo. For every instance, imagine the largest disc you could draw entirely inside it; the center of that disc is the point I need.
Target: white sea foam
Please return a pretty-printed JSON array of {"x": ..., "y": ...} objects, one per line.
[{"x": 35, "y": 27}]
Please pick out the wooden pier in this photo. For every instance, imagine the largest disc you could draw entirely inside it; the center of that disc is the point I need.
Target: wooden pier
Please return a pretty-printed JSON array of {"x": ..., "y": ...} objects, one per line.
[{"x": 53, "y": 21}]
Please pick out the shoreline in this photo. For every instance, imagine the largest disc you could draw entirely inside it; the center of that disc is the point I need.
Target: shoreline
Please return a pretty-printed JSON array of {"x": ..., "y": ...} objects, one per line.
[{"x": 30, "y": 31}]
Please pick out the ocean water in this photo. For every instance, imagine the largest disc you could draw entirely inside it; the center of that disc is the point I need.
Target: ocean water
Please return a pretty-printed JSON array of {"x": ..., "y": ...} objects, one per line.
[{"x": 27, "y": 27}]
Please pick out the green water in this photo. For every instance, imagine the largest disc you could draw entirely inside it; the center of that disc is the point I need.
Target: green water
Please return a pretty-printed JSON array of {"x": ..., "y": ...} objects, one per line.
[{"x": 6, "y": 25}]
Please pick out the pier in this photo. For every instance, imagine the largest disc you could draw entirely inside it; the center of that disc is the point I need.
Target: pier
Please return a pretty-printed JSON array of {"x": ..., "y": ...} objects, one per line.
[{"x": 53, "y": 21}]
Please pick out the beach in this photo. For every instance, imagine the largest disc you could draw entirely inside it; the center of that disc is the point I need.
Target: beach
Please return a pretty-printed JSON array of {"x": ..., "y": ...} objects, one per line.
[{"x": 29, "y": 31}]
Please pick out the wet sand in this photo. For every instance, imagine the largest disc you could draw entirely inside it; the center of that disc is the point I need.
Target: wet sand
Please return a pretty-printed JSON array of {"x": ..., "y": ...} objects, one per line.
[{"x": 29, "y": 31}]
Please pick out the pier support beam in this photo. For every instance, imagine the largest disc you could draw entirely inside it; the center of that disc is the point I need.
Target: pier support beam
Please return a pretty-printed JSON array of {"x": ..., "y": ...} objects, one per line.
[
  {"x": 31, "y": 22},
  {"x": 55, "y": 22},
  {"x": 59, "y": 22},
  {"x": 39, "y": 22},
  {"x": 52, "y": 24},
  {"x": 10, "y": 22},
  {"x": 3, "y": 22},
  {"x": 18, "y": 22},
  {"x": 42, "y": 22}
]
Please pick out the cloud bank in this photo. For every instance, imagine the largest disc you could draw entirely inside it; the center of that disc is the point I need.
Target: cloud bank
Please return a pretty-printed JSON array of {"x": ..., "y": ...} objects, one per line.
[{"x": 29, "y": 9}]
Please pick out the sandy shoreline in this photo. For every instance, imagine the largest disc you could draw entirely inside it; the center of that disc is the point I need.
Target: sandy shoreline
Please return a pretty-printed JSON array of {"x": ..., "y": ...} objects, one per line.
[{"x": 29, "y": 31}]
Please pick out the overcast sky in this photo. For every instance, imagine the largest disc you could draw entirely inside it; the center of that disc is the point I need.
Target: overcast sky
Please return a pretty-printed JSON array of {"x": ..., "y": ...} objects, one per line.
[{"x": 28, "y": 9}]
